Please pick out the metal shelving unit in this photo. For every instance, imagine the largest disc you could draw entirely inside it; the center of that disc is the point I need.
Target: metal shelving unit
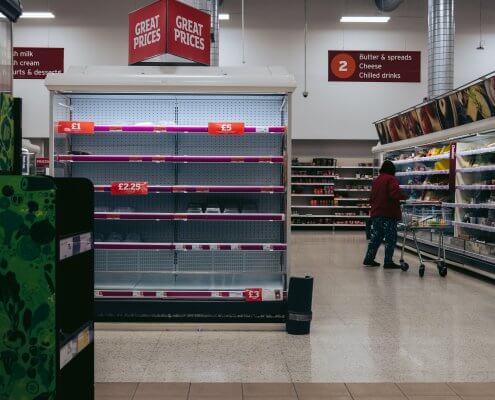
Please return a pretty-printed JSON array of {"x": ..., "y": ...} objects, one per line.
[
  {"x": 208, "y": 238},
  {"x": 346, "y": 205}
]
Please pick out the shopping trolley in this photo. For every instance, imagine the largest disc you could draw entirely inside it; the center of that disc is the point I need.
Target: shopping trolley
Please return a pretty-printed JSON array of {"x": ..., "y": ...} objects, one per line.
[{"x": 425, "y": 216}]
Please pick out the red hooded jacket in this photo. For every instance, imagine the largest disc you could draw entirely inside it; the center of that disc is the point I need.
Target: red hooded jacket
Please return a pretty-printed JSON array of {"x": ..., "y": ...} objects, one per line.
[{"x": 386, "y": 196}]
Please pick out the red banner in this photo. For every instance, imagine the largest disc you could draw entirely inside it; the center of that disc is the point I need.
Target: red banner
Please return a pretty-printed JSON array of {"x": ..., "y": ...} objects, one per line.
[
  {"x": 76, "y": 127},
  {"x": 147, "y": 32},
  {"x": 226, "y": 128},
  {"x": 188, "y": 32},
  {"x": 169, "y": 26},
  {"x": 129, "y": 188},
  {"x": 42, "y": 162},
  {"x": 374, "y": 66},
  {"x": 37, "y": 62}
]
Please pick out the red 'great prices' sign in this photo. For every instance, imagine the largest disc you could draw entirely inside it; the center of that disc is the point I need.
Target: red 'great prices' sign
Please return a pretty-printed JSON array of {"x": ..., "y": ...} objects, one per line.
[
  {"x": 374, "y": 66},
  {"x": 169, "y": 26}
]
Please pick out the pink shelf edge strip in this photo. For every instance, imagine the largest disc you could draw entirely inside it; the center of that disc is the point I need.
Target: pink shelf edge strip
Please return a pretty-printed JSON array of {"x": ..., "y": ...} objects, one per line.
[
  {"x": 191, "y": 216},
  {"x": 160, "y": 158},
  {"x": 180, "y": 129},
  {"x": 203, "y": 189},
  {"x": 190, "y": 246}
]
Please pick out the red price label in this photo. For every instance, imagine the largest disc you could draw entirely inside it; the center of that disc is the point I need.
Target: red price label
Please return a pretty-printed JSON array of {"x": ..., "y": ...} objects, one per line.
[
  {"x": 76, "y": 127},
  {"x": 252, "y": 295},
  {"x": 226, "y": 128},
  {"x": 129, "y": 188}
]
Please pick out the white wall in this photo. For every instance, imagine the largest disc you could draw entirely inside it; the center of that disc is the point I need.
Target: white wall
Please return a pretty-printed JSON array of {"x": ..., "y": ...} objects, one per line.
[{"x": 274, "y": 35}]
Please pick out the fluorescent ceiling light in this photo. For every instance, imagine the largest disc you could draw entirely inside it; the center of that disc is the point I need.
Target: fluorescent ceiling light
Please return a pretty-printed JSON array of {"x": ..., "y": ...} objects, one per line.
[
  {"x": 224, "y": 17},
  {"x": 36, "y": 15},
  {"x": 365, "y": 19}
]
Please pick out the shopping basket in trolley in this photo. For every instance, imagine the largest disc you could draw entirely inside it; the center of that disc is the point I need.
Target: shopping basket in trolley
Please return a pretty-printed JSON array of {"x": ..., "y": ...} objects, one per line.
[{"x": 425, "y": 216}]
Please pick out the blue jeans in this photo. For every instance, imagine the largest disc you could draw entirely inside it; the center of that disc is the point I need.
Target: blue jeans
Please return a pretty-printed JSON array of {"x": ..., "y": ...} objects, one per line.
[{"x": 382, "y": 228}]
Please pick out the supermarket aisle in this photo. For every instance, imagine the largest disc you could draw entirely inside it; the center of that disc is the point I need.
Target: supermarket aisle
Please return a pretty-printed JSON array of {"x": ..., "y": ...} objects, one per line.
[{"x": 370, "y": 325}]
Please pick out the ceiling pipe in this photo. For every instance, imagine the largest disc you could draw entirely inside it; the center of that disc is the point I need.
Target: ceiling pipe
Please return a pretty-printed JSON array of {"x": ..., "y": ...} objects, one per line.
[
  {"x": 441, "y": 34},
  {"x": 387, "y": 5}
]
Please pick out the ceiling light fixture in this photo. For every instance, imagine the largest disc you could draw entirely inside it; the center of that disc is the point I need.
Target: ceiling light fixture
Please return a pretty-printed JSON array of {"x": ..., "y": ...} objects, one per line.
[
  {"x": 35, "y": 15},
  {"x": 224, "y": 17},
  {"x": 365, "y": 19}
]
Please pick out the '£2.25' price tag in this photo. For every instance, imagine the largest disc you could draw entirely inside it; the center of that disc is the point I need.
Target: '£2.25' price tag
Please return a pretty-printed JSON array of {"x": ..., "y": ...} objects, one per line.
[{"x": 129, "y": 188}]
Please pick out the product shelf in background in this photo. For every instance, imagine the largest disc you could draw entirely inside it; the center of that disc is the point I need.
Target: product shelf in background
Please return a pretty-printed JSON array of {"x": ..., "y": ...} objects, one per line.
[
  {"x": 331, "y": 225},
  {"x": 481, "y": 168},
  {"x": 443, "y": 156},
  {"x": 191, "y": 246},
  {"x": 168, "y": 158},
  {"x": 474, "y": 152},
  {"x": 479, "y": 227},
  {"x": 423, "y": 173},
  {"x": 351, "y": 190},
  {"x": 314, "y": 176},
  {"x": 141, "y": 216},
  {"x": 312, "y": 184},
  {"x": 329, "y": 216},
  {"x": 350, "y": 207},
  {"x": 487, "y": 206},
  {"x": 202, "y": 189},
  {"x": 425, "y": 187},
  {"x": 311, "y": 195},
  {"x": 476, "y": 187},
  {"x": 353, "y": 179}
]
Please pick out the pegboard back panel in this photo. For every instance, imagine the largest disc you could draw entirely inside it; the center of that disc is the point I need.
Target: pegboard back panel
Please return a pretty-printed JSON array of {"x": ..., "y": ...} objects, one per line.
[
  {"x": 124, "y": 143},
  {"x": 134, "y": 260},
  {"x": 229, "y": 231},
  {"x": 252, "y": 110},
  {"x": 134, "y": 231},
  {"x": 106, "y": 173},
  {"x": 231, "y": 174},
  {"x": 124, "y": 110},
  {"x": 255, "y": 144},
  {"x": 231, "y": 261},
  {"x": 152, "y": 202},
  {"x": 246, "y": 202}
]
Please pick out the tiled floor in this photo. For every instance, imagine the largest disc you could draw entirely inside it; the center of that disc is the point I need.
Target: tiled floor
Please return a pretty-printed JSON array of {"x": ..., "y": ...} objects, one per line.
[
  {"x": 370, "y": 325},
  {"x": 291, "y": 391}
]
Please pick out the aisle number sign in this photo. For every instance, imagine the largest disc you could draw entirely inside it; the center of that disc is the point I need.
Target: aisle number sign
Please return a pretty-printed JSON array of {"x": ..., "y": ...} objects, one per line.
[
  {"x": 374, "y": 66},
  {"x": 226, "y": 128},
  {"x": 169, "y": 26},
  {"x": 76, "y": 127},
  {"x": 129, "y": 188}
]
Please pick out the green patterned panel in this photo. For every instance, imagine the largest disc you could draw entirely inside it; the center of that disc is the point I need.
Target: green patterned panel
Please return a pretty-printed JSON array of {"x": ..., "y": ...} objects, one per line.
[
  {"x": 6, "y": 133},
  {"x": 27, "y": 288}
]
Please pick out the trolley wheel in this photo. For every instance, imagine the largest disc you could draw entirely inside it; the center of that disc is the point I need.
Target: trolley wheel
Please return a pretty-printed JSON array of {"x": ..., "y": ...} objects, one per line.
[
  {"x": 442, "y": 269},
  {"x": 403, "y": 265},
  {"x": 421, "y": 270}
]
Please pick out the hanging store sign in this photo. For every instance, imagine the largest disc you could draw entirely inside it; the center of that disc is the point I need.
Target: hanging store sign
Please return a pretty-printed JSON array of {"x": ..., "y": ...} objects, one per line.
[
  {"x": 76, "y": 127},
  {"x": 374, "y": 66},
  {"x": 129, "y": 188},
  {"x": 169, "y": 27},
  {"x": 226, "y": 128},
  {"x": 37, "y": 62}
]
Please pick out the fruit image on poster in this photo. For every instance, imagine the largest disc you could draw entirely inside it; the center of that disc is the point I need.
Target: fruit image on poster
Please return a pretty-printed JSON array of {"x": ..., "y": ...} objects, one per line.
[
  {"x": 410, "y": 123},
  {"x": 490, "y": 90},
  {"x": 428, "y": 118},
  {"x": 476, "y": 103},
  {"x": 448, "y": 111},
  {"x": 27, "y": 288},
  {"x": 6, "y": 133}
]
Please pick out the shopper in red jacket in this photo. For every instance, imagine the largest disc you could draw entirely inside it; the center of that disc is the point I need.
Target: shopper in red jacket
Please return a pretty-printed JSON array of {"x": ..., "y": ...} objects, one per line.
[{"x": 385, "y": 214}]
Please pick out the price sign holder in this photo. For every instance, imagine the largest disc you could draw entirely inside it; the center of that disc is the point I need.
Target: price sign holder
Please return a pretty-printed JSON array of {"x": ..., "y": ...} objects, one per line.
[
  {"x": 253, "y": 295},
  {"x": 129, "y": 188},
  {"x": 76, "y": 127},
  {"x": 226, "y": 128}
]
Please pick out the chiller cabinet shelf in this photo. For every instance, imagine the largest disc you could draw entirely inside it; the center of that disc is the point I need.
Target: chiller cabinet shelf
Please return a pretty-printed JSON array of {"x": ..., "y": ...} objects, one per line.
[
  {"x": 205, "y": 235},
  {"x": 456, "y": 168}
]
